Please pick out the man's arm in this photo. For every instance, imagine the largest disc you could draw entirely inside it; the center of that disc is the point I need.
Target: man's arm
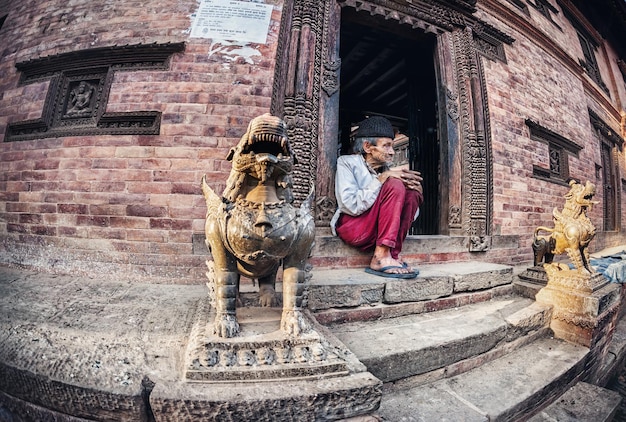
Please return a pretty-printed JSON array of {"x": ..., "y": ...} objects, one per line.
[
  {"x": 411, "y": 179},
  {"x": 356, "y": 188}
]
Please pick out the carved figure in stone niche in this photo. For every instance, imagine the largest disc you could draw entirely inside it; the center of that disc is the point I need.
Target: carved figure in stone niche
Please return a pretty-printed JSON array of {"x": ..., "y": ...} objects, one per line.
[
  {"x": 80, "y": 99},
  {"x": 572, "y": 231},
  {"x": 376, "y": 204},
  {"x": 253, "y": 227}
]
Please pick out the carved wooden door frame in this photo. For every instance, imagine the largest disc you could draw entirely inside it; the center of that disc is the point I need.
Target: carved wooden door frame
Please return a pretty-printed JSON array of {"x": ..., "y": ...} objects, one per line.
[{"x": 306, "y": 95}]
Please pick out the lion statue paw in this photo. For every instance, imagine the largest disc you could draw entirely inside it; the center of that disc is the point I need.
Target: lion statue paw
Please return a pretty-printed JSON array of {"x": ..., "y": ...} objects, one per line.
[
  {"x": 293, "y": 323},
  {"x": 267, "y": 296},
  {"x": 226, "y": 325}
]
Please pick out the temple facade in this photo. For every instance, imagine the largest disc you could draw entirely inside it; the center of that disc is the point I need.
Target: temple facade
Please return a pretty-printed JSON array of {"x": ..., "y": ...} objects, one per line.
[{"x": 111, "y": 113}]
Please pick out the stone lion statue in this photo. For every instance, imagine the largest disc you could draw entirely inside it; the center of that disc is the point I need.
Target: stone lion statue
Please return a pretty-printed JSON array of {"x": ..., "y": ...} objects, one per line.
[
  {"x": 253, "y": 227},
  {"x": 572, "y": 230}
]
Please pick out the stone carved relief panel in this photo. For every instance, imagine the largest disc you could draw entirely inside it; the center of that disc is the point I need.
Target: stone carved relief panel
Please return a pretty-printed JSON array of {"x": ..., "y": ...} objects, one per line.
[{"x": 79, "y": 90}]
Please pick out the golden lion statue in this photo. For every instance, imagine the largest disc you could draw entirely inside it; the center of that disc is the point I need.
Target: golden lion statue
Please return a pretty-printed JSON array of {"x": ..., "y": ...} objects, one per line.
[
  {"x": 572, "y": 230},
  {"x": 253, "y": 228}
]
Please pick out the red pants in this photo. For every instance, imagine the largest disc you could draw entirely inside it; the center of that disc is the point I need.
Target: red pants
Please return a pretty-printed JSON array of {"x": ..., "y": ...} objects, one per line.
[{"x": 387, "y": 222}]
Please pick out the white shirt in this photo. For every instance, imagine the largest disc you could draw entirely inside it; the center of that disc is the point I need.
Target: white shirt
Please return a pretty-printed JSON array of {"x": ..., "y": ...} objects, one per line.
[{"x": 356, "y": 187}]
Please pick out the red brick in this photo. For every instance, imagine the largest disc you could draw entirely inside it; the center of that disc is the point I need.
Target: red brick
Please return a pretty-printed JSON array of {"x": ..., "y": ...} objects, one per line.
[
  {"x": 90, "y": 220},
  {"x": 43, "y": 230},
  {"x": 147, "y": 235},
  {"x": 146, "y": 211},
  {"x": 99, "y": 209},
  {"x": 30, "y": 219},
  {"x": 16, "y": 207},
  {"x": 107, "y": 233},
  {"x": 73, "y": 208},
  {"x": 187, "y": 188},
  {"x": 130, "y": 222},
  {"x": 109, "y": 163},
  {"x": 170, "y": 224},
  {"x": 16, "y": 228}
]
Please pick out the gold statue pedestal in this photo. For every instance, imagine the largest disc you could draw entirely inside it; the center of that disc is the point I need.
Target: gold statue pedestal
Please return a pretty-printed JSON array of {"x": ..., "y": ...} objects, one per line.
[{"x": 583, "y": 304}]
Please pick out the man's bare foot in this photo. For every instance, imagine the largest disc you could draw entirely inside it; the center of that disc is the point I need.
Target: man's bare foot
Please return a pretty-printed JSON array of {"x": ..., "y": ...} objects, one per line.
[{"x": 382, "y": 259}]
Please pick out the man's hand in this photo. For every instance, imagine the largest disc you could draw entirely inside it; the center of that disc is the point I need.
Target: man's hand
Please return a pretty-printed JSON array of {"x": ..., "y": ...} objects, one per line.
[{"x": 411, "y": 179}]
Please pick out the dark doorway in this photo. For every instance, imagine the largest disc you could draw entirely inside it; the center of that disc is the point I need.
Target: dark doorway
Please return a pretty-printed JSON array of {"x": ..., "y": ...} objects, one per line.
[
  {"x": 609, "y": 188},
  {"x": 388, "y": 69}
]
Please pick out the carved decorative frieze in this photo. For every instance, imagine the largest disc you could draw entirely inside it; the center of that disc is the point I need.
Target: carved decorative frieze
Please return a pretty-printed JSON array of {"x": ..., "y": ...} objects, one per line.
[
  {"x": 324, "y": 209},
  {"x": 301, "y": 108},
  {"x": 489, "y": 47},
  {"x": 454, "y": 220},
  {"x": 301, "y": 115},
  {"x": 79, "y": 89},
  {"x": 330, "y": 81},
  {"x": 452, "y": 104},
  {"x": 254, "y": 357}
]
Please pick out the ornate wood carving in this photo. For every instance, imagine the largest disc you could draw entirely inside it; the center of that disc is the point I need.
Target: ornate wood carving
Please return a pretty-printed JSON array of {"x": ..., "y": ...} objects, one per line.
[
  {"x": 605, "y": 130},
  {"x": 452, "y": 105},
  {"x": 79, "y": 89},
  {"x": 330, "y": 82},
  {"x": 476, "y": 149},
  {"x": 542, "y": 134},
  {"x": 489, "y": 47},
  {"x": 613, "y": 143},
  {"x": 301, "y": 58}
]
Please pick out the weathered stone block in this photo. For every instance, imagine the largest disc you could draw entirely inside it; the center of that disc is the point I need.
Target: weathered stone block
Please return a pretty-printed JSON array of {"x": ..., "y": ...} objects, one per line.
[
  {"x": 344, "y": 288},
  {"x": 469, "y": 276},
  {"x": 344, "y": 295},
  {"x": 421, "y": 288},
  {"x": 582, "y": 402},
  {"x": 530, "y": 318}
]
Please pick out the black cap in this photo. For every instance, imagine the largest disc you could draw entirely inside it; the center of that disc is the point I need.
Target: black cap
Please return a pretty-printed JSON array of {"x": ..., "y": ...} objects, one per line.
[{"x": 375, "y": 127}]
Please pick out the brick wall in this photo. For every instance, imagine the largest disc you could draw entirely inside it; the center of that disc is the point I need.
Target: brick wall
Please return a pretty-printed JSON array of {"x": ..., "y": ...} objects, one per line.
[
  {"x": 541, "y": 87},
  {"x": 124, "y": 206}
]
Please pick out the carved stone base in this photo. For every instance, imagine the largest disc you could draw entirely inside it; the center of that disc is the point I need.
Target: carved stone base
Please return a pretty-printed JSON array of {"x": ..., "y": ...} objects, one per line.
[
  {"x": 561, "y": 275},
  {"x": 579, "y": 303},
  {"x": 260, "y": 352},
  {"x": 536, "y": 275}
]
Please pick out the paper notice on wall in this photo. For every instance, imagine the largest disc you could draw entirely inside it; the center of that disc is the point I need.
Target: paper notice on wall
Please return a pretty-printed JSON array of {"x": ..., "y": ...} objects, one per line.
[{"x": 232, "y": 20}]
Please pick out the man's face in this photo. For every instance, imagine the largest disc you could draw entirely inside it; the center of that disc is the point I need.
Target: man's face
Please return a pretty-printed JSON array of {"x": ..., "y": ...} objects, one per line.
[{"x": 379, "y": 154}]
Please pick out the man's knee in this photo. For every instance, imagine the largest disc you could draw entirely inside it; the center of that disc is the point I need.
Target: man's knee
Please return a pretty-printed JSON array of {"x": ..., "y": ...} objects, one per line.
[
  {"x": 413, "y": 198},
  {"x": 394, "y": 184}
]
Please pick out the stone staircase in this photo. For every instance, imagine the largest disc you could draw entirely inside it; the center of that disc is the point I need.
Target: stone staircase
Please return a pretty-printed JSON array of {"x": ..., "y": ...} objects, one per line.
[{"x": 457, "y": 344}]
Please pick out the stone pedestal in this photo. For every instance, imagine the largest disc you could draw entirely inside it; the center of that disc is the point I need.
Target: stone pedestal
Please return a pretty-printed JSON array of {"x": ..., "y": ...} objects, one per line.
[
  {"x": 264, "y": 374},
  {"x": 261, "y": 351},
  {"x": 582, "y": 304},
  {"x": 536, "y": 275}
]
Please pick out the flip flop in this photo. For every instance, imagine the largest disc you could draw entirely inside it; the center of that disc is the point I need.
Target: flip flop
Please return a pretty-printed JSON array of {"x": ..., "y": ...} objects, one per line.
[{"x": 382, "y": 272}]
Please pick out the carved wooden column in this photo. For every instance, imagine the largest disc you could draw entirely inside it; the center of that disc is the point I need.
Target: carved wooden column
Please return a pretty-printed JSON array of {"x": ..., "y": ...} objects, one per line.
[
  {"x": 325, "y": 202},
  {"x": 297, "y": 88},
  {"x": 476, "y": 195}
]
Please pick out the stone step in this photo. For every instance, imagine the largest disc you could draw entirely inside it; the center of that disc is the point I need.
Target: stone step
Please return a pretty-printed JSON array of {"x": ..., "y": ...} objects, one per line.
[
  {"x": 582, "y": 402},
  {"x": 445, "y": 341},
  {"x": 349, "y": 294},
  {"x": 505, "y": 389},
  {"x": 344, "y": 288}
]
